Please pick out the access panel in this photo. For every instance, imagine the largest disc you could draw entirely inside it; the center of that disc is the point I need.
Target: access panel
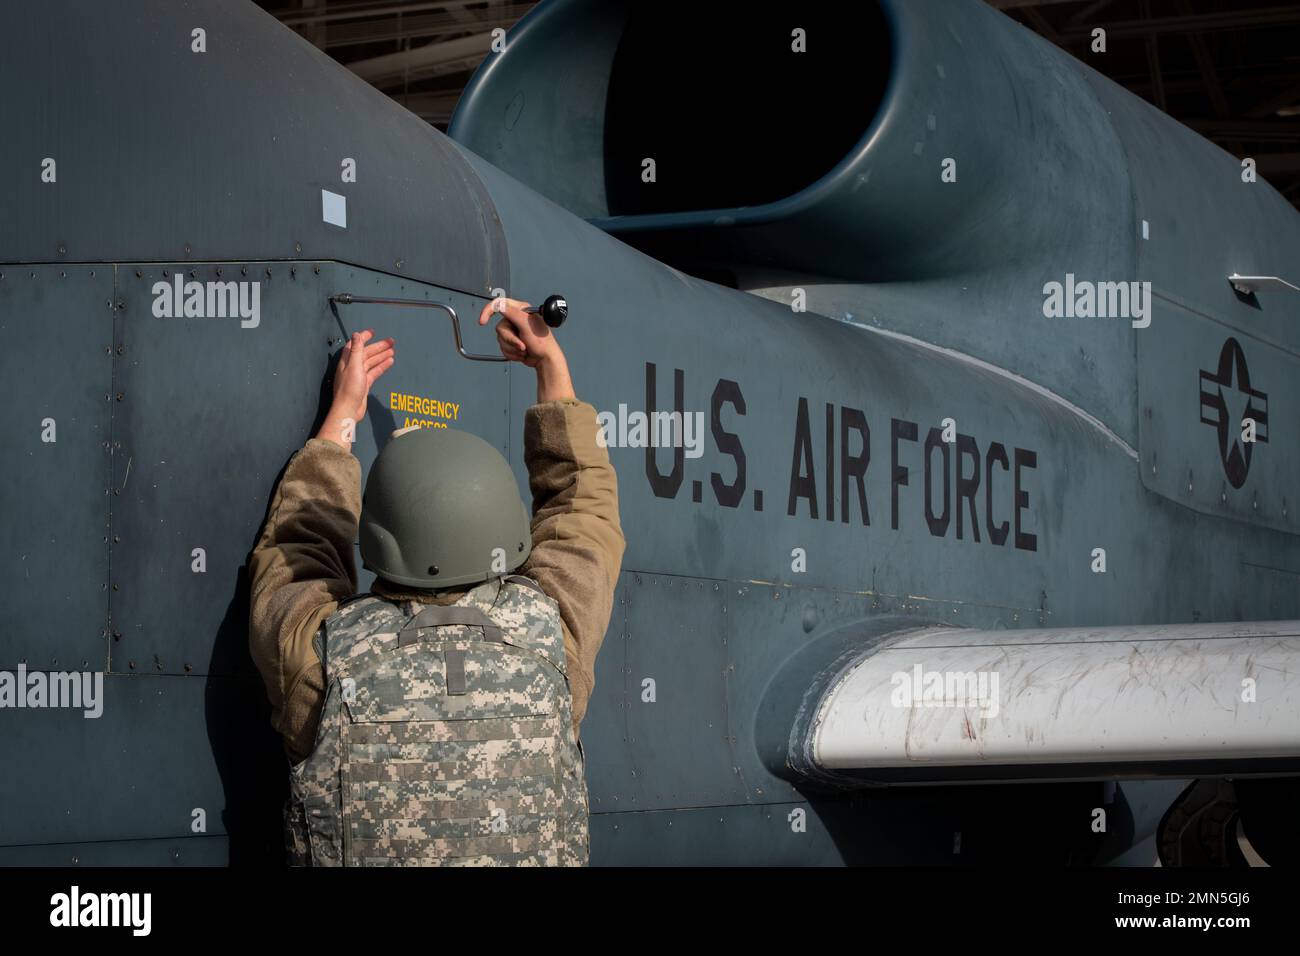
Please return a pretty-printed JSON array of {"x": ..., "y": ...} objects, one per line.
[{"x": 57, "y": 365}]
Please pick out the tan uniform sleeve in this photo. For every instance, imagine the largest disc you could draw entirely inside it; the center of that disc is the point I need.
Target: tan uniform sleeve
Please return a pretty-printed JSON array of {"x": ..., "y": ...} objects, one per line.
[
  {"x": 577, "y": 538},
  {"x": 299, "y": 571}
]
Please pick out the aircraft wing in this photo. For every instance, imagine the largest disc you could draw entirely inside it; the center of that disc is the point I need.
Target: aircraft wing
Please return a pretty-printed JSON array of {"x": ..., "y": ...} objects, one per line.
[{"x": 938, "y": 704}]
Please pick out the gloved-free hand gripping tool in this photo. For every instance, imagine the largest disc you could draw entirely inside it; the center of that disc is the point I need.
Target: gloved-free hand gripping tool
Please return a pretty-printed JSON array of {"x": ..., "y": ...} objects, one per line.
[{"x": 553, "y": 312}]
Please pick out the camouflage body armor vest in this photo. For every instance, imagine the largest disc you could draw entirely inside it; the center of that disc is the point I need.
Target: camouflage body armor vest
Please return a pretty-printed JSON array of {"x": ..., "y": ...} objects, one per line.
[{"x": 446, "y": 737}]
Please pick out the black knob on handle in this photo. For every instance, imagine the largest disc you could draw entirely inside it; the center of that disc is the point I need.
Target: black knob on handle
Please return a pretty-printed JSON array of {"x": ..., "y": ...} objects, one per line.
[{"x": 553, "y": 311}]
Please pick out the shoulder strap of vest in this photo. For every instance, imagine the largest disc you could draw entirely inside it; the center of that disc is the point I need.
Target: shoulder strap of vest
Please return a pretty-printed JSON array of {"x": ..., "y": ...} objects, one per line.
[
  {"x": 523, "y": 581},
  {"x": 351, "y": 600},
  {"x": 339, "y": 633}
]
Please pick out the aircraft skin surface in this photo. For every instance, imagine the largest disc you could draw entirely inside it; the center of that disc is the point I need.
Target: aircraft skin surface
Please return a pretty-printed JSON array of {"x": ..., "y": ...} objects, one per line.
[{"x": 814, "y": 508}]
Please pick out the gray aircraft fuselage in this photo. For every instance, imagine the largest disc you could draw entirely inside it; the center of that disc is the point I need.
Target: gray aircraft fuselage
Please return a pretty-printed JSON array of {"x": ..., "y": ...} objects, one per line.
[{"x": 814, "y": 504}]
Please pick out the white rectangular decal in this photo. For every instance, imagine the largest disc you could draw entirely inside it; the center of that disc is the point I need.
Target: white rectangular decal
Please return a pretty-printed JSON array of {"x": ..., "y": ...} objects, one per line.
[{"x": 334, "y": 208}]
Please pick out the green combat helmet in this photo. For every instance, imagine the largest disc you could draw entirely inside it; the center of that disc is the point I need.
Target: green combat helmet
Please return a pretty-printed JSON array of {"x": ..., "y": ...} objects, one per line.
[{"x": 442, "y": 508}]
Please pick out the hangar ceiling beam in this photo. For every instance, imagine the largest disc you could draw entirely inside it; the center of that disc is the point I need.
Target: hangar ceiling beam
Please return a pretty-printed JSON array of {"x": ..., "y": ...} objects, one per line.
[
  {"x": 427, "y": 26},
  {"x": 359, "y": 11},
  {"x": 1197, "y": 23},
  {"x": 423, "y": 60}
]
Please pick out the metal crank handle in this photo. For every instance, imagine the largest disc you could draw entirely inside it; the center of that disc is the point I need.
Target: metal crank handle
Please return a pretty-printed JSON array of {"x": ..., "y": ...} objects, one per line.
[
  {"x": 347, "y": 298},
  {"x": 553, "y": 311}
]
